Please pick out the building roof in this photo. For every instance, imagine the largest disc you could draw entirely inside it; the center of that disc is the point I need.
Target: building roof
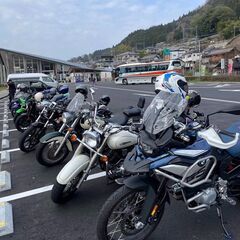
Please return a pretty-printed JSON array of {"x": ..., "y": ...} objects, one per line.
[
  {"x": 127, "y": 53},
  {"x": 218, "y": 51},
  {"x": 151, "y": 56},
  {"x": 62, "y": 62}
]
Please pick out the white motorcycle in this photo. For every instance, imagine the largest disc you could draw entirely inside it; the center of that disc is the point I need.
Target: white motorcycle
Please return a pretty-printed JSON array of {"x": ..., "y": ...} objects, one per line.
[{"x": 103, "y": 144}]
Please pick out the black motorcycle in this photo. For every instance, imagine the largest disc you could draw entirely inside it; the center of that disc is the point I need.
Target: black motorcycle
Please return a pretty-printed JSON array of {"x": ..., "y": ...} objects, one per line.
[{"x": 50, "y": 115}]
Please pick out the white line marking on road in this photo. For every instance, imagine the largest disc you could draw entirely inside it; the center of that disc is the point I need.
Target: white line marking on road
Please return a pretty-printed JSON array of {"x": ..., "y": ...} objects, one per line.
[
  {"x": 151, "y": 93},
  {"x": 143, "y": 94},
  {"x": 10, "y": 130},
  {"x": 11, "y": 150},
  {"x": 4, "y": 112},
  {"x": 229, "y": 90},
  {"x": 10, "y": 119},
  {"x": 220, "y": 100},
  {"x": 222, "y": 85},
  {"x": 42, "y": 189},
  {"x": 207, "y": 99}
]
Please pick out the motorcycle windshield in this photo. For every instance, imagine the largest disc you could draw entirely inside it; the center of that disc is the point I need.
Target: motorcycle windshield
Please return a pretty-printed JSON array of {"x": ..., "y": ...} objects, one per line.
[
  {"x": 161, "y": 112},
  {"x": 75, "y": 105}
]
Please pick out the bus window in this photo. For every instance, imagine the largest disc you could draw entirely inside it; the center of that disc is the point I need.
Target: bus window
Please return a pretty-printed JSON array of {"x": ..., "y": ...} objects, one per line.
[
  {"x": 163, "y": 67},
  {"x": 176, "y": 64}
]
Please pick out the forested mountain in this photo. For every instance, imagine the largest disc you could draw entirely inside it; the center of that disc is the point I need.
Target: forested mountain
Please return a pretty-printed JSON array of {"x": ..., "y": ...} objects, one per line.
[{"x": 215, "y": 17}]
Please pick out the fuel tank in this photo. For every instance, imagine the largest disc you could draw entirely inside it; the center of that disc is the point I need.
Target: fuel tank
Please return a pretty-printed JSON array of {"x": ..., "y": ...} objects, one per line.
[{"x": 122, "y": 139}]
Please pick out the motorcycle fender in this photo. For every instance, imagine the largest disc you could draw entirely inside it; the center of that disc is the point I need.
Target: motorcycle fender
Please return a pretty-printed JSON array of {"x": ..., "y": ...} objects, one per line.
[
  {"x": 37, "y": 124},
  {"x": 145, "y": 183},
  {"x": 56, "y": 136},
  {"x": 73, "y": 168}
]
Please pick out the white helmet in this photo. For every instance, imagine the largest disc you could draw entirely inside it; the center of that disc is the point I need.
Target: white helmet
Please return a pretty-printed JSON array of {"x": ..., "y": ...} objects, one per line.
[
  {"x": 172, "y": 82},
  {"x": 38, "y": 96}
]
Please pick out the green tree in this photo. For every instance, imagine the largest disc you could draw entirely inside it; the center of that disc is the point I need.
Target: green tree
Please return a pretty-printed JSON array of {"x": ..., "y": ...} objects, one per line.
[
  {"x": 207, "y": 21},
  {"x": 226, "y": 28}
]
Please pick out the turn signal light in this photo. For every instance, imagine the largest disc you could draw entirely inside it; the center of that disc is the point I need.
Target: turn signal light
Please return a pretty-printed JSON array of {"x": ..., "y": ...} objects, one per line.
[
  {"x": 154, "y": 210},
  {"x": 104, "y": 158},
  {"x": 73, "y": 138}
]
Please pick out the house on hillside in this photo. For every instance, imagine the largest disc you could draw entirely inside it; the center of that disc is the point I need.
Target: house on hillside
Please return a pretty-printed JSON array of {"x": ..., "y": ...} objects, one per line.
[
  {"x": 190, "y": 59},
  {"x": 105, "y": 61},
  {"x": 212, "y": 58},
  {"x": 127, "y": 57},
  {"x": 176, "y": 53},
  {"x": 151, "y": 50},
  {"x": 151, "y": 58},
  {"x": 234, "y": 42}
]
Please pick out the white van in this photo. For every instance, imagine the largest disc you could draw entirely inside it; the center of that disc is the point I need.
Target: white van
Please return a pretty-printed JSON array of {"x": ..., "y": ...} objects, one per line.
[{"x": 33, "y": 79}]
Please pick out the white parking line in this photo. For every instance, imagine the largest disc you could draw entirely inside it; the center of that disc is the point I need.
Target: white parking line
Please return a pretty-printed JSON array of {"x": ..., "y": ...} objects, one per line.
[
  {"x": 10, "y": 130},
  {"x": 11, "y": 150},
  {"x": 151, "y": 94},
  {"x": 4, "y": 112},
  {"x": 10, "y": 119},
  {"x": 42, "y": 190}
]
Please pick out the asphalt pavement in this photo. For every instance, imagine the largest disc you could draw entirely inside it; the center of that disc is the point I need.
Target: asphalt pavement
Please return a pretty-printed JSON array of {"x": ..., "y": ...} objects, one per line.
[{"x": 36, "y": 217}]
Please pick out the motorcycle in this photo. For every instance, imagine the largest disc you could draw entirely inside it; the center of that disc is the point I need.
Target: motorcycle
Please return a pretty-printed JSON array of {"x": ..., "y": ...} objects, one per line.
[
  {"x": 105, "y": 144},
  {"x": 51, "y": 112},
  {"x": 55, "y": 146},
  {"x": 202, "y": 175}
]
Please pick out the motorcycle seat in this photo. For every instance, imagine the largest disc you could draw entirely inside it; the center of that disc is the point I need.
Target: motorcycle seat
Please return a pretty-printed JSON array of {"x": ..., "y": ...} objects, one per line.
[
  {"x": 58, "y": 97},
  {"x": 132, "y": 112},
  {"x": 120, "y": 119}
]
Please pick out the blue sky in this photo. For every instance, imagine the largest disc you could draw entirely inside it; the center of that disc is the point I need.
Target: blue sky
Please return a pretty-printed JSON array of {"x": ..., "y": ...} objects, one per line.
[{"x": 67, "y": 28}]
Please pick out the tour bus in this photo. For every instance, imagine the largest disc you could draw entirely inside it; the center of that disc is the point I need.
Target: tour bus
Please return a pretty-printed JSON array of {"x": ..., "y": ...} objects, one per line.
[{"x": 134, "y": 73}]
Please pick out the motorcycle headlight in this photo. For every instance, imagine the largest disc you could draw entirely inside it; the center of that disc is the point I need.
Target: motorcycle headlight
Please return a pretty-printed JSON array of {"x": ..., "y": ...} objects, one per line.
[
  {"x": 67, "y": 117},
  {"x": 92, "y": 139}
]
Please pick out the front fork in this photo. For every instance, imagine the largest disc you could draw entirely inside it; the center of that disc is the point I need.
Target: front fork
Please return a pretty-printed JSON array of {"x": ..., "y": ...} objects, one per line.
[
  {"x": 92, "y": 161},
  {"x": 66, "y": 135}
]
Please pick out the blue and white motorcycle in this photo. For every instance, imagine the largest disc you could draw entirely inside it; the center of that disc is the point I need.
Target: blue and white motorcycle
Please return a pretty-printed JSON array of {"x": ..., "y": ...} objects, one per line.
[{"x": 202, "y": 174}]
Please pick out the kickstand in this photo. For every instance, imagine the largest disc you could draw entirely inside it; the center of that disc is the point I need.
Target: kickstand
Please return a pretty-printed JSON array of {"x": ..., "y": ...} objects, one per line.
[{"x": 228, "y": 236}]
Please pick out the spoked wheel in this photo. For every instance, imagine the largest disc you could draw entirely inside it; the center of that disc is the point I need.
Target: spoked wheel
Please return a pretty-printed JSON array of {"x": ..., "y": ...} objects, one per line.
[
  {"x": 63, "y": 193},
  {"x": 121, "y": 216},
  {"x": 23, "y": 121},
  {"x": 45, "y": 153},
  {"x": 30, "y": 138}
]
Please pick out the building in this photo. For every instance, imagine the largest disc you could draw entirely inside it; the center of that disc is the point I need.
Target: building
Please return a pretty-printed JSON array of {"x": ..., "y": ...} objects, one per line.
[
  {"x": 234, "y": 42},
  {"x": 151, "y": 50},
  {"x": 190, "y": 59},
  {"x": 126, "y": 57},
  {"x": 176, "y": 53},
  {"x": 105, "y": 61},
  {"x": 18, "y": 62},
  {"x": 214, "y": 56},
  {"x": 151, "y": 58}
]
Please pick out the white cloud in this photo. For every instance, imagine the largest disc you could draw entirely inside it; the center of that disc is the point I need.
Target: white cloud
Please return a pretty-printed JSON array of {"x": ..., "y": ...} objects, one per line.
[{"x": 64, "y": 29}]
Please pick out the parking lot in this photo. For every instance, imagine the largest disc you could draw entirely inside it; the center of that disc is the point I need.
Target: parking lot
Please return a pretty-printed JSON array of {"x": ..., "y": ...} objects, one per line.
[{"x": 36, "y": 217}]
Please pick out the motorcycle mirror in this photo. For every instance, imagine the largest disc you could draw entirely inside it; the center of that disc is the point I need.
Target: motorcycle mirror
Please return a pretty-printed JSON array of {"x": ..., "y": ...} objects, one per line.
[{"x": 141, "y": 102}]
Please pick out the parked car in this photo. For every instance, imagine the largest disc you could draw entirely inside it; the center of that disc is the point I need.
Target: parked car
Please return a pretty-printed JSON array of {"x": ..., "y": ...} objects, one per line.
[{"x": 39, "y": 80}]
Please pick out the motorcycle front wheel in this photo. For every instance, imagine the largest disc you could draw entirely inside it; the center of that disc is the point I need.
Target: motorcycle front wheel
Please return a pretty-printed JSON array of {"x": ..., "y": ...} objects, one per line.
[
  {"x": 63, "y": 193},
  {"x": 120, "y": 216},
  {"x": 30, "y": 138},
  {"x": 45, "y": 153}
]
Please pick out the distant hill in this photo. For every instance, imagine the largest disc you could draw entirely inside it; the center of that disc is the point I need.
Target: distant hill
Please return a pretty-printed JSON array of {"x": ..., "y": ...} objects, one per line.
[{"x": 215, "y": 17}]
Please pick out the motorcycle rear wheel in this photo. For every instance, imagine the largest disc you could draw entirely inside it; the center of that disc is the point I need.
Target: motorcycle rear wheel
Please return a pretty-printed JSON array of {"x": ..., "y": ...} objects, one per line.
[{"x": 132, "y": 201}]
